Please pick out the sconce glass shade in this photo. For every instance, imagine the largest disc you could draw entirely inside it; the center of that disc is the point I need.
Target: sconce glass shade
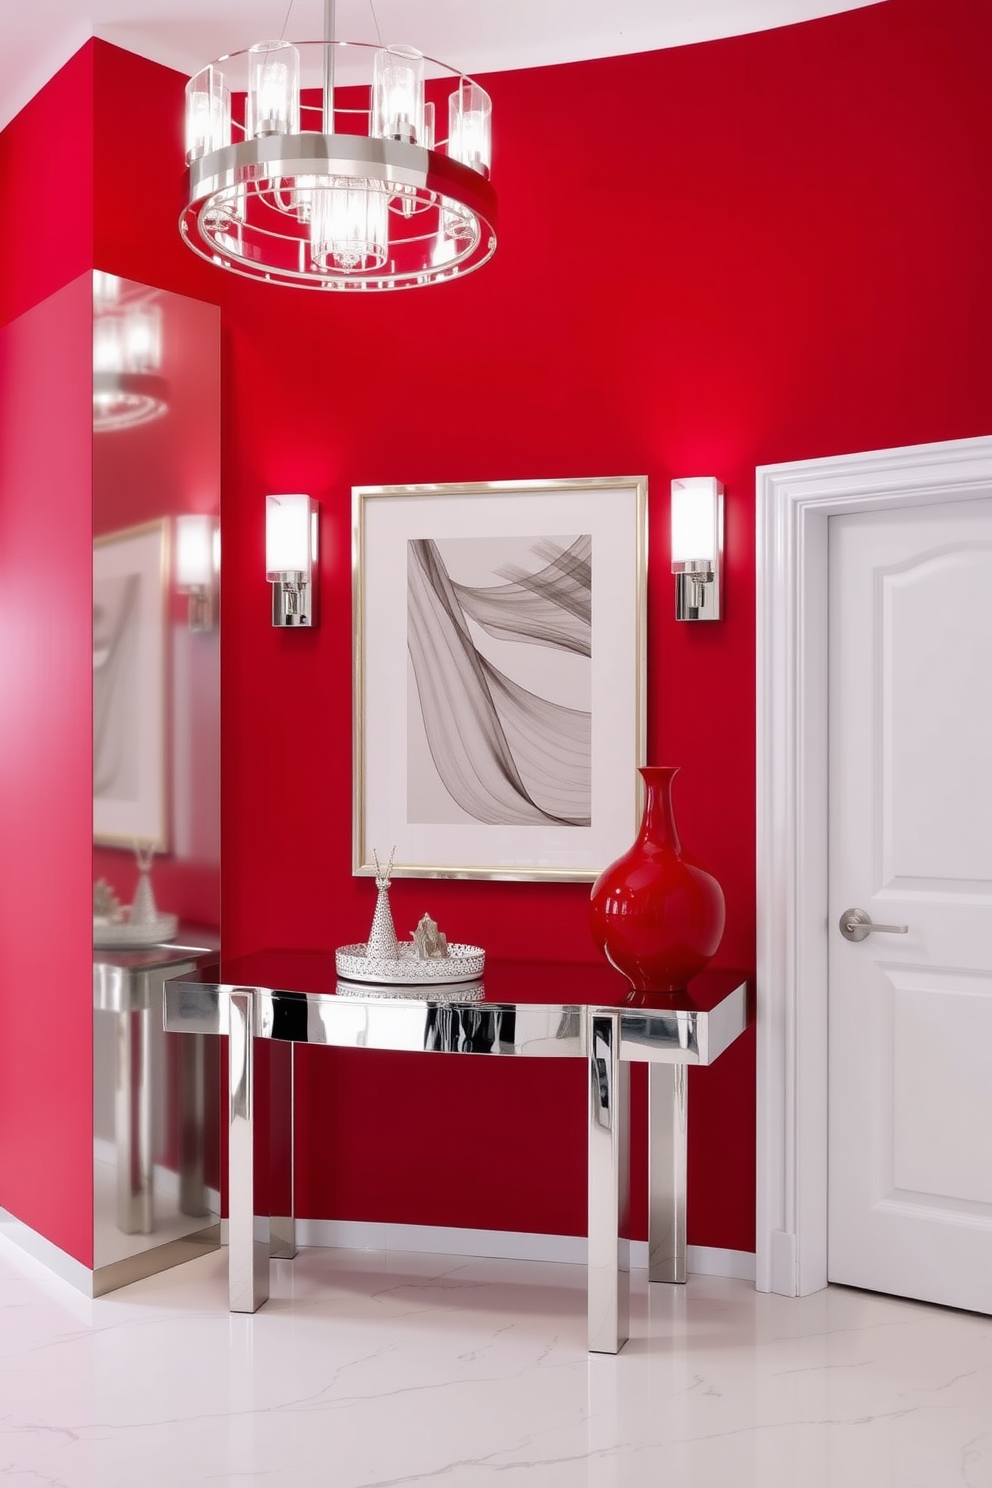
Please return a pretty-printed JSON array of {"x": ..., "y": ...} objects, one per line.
[
  {"x": 273, "y": 89},
  {"x": 470, "y": 121},
  {"x": 197, "y": 566},
  {"x": 697, "y": 546},
  {"x": 695, "y": 521},
  {"x": 291, "y": 558},
  {"x": 398, "y": 95},
  {"x": 195, "y": 557}
]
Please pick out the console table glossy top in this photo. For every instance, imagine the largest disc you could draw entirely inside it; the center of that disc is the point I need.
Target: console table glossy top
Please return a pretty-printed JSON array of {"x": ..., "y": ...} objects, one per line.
[{"x": 527, "y": 1008}]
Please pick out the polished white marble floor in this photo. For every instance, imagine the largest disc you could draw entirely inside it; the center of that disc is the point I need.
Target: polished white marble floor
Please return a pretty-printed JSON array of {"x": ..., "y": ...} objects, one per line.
[{"x": 372, "y": 1370}]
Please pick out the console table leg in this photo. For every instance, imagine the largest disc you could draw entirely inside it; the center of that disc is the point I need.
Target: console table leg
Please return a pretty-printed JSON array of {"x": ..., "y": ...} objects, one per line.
[
  {"x": 667, "y": 1133},
  {"x": 248, "y": 1258},
  {"x": 609, "y": 1168},
  {"x": 282, "y": 1222},
  {"x": 133, "y": 1121}
]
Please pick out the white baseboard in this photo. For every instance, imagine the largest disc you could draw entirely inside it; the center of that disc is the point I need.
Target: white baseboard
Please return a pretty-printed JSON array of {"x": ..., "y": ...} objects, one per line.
[
  {"x": 54, "y": 1260},
  {"x": 511, "y": 1245},
  {"x": 514, "y": 1245}
]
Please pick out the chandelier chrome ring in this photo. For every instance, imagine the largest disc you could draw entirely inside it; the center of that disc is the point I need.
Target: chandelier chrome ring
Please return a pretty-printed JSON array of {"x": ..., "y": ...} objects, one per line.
[
  {"x": 124, "y": 400},
  {"x": 338, "y": 211}
]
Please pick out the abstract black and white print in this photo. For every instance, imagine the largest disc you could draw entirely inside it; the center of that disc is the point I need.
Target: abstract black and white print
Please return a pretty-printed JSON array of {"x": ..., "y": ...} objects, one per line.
[{"x": 499, "y": 634}]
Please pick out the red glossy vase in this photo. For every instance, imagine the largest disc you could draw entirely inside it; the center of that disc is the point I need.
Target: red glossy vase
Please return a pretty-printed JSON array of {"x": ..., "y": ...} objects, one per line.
[{"x": 656, "y": 917}]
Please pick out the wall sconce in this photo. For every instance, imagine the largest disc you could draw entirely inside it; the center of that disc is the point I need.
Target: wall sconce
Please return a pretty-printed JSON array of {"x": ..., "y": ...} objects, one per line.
[
  {"x": 291, "y": 558},
  {"x": 198, "y": 566},
  {"x": 697, "y": 547}
]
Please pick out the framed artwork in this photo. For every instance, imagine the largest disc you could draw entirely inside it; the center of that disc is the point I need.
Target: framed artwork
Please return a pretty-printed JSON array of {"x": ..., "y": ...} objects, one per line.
[
  {"x": 499, "y": 645},
  {"x": 130, "y": 568}
]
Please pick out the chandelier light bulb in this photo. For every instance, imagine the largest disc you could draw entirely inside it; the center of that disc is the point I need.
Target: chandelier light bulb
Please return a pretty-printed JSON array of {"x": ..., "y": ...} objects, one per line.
[
  {"x": 108, "y": 344},
  {"x": 349, "y": 226},
  {"x": 273, "y": 89},
  {"x": 106, "y": 290},
  {"x": 208, "y": 113},
  {"x": 142, "y": 334},
  {"x": 470, "y": 112},
  {"x": 398, "y": 95},
  {"x": 127, "y": 358}
]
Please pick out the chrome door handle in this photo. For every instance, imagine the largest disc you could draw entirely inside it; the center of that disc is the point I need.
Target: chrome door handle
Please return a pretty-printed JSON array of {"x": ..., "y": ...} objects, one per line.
[{"x": 857, "y": 924}]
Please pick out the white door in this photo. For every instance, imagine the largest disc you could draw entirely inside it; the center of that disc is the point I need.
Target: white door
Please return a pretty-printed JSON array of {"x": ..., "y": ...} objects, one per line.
[{"x": 910, "y": 822}]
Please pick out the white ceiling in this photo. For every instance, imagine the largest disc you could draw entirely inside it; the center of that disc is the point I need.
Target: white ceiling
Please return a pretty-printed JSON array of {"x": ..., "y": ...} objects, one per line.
[{"x": 38, "y": 36}]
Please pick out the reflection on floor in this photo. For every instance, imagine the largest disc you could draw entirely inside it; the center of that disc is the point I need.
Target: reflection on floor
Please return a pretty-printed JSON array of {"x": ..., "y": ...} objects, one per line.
[
  {"x": 376, "y": 1370},
  {"x": 110, "y": 1243}
]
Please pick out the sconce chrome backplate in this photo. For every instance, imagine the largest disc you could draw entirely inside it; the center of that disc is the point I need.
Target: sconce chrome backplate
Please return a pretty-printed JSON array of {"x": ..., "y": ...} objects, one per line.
[
  {"x": 697, "y": 592},
  {"x": 294, "y": 602},
  {"x": 201, "y": 608}
]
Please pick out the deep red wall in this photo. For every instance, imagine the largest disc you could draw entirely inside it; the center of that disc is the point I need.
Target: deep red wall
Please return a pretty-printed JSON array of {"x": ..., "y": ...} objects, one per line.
[
  {"x": 752, "y": 250},
  {"x": 46, "y": 770},
  {"x": 46, "y": 977},
  {"x": 46, "y": 155}
]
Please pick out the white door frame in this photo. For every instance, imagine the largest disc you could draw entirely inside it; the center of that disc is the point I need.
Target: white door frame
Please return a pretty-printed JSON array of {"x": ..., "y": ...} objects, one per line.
[{"x": 794, "y": 503}]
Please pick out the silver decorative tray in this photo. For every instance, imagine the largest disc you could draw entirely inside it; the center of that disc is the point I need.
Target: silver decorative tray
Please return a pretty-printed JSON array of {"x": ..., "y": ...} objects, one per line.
[
  {"x": 110, "y": 935},
  {"x": 463, "y": 963},
  {"x": 437, "y": 992}
]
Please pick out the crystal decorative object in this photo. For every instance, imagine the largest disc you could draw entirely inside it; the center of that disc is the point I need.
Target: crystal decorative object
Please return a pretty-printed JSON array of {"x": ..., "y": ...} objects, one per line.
[{"x": 359, "y": 963}]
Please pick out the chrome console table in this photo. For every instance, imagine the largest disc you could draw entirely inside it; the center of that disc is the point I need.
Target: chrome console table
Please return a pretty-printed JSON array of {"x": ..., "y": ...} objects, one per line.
[{"x": 526, "y": 1009}]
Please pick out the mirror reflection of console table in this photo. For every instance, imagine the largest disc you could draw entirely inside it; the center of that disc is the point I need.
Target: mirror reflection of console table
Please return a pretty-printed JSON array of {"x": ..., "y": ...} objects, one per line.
[
  {"x": 527, "y": 1009},
  {"x": 127, "y": 986}
]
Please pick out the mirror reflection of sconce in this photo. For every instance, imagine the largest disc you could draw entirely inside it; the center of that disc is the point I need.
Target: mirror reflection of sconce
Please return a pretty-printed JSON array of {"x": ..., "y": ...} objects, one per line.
[
  {"x": 198, "y": 567},
  {"x": 291, "y": 558},
  {"x": 697, "y": 547},
  {"x": 127, "y": 358}
]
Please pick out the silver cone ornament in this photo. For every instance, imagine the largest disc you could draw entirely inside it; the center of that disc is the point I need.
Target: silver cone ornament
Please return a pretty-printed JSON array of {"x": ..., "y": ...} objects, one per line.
[{"x": 382, "y": 944}]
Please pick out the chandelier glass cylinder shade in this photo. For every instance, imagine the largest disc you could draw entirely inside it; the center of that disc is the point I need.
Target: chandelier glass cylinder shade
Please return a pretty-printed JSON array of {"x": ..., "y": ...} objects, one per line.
[
  {"x": 127, "y": 358},
  {"x": 294, "y": 184}
]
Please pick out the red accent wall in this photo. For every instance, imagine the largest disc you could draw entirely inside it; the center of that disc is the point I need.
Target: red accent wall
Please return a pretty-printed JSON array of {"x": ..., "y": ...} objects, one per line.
[
  {"x": 46, "y": 976},
  {"x": 46, "y": 155},
  {"x": 759, "y": 249},
  {"x": 46, "y": 770}
]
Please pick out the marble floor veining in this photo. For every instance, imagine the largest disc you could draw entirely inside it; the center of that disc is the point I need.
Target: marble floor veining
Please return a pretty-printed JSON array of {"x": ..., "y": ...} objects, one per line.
[{"x": 378, "y": 1370}]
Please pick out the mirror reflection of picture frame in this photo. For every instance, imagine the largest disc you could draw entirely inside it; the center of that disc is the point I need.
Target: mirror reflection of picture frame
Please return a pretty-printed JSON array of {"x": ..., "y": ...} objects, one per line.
[
  {"x": 499, "y": 688},
  {"x": 130, "y": 569}
]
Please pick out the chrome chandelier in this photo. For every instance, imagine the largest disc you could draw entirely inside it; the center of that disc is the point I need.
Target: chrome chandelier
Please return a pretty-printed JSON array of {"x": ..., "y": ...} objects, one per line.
[{"x": 366, "y": 198}]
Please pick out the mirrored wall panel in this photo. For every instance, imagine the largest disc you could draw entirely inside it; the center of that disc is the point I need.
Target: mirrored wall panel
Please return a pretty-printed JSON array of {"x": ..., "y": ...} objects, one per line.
[{"x": 156, "y": 764}]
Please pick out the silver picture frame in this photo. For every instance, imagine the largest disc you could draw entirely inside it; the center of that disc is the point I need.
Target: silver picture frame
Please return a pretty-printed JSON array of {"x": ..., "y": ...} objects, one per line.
[{"x": 499, "y": 634}]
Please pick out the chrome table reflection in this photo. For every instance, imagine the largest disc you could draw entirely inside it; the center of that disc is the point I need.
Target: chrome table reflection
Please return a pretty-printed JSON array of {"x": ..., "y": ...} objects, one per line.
[
  {"x": 521, "y": 1009},
  {"x": 128, "y": 985}
]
